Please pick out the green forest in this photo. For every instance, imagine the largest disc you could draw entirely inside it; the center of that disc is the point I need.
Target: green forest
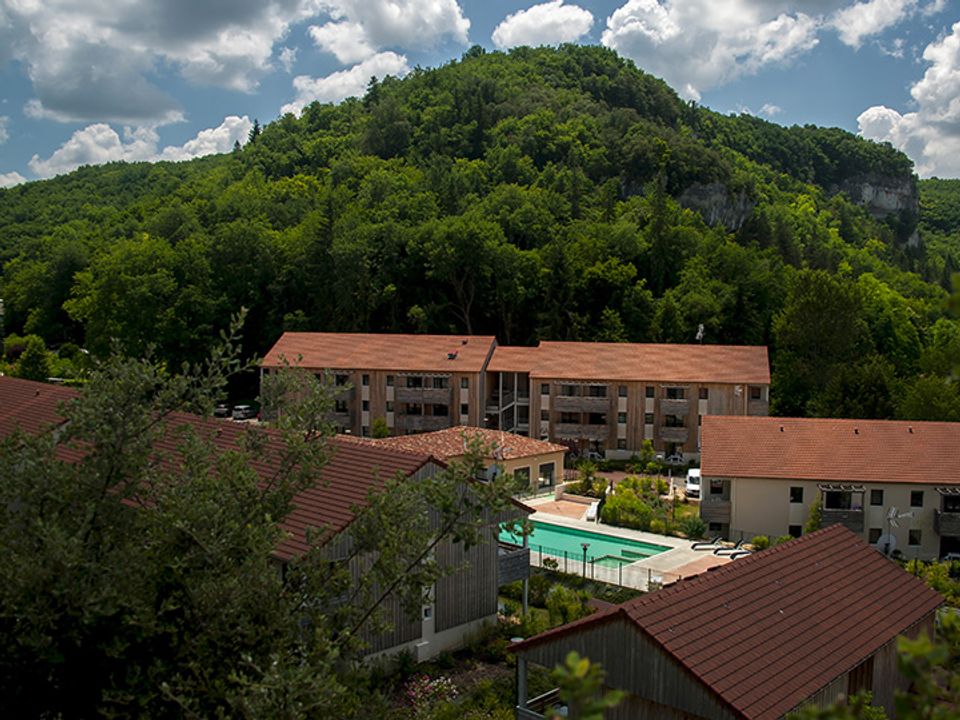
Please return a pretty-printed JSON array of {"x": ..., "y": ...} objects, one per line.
[{"x": 536, "y": 194}]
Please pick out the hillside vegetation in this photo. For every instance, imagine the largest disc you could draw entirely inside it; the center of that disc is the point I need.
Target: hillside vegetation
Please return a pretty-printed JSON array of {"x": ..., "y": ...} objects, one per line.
[{"x": 536, "y": 194}]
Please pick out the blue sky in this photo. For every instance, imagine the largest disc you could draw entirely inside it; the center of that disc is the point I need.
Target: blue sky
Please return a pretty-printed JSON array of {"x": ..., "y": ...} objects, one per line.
[{"x": 102, "y": 80}]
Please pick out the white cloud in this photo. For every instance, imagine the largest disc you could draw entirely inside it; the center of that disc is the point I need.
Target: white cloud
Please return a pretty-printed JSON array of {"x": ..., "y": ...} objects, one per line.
[
  {"x": 99, "y": 143},
  {"x": 769, "y": 109},
  {"x": 872, "y": 17},
  {"x": 361, "y": 28},
  {"x": 288, "y": 56},
  {"x": 4, "y": 133},
  {"x": 10, "y": 179},
  {"x": 700, "y": 44},
  {"x": 930, "y": 136},
  {"x": 340, "y": 85},
  {"x": 95, "y": 60},
  {"x": 548, "y": 23}
]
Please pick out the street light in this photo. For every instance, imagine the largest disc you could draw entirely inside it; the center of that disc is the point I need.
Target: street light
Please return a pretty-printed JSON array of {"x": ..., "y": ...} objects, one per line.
[{"x": 584, "y": 546}]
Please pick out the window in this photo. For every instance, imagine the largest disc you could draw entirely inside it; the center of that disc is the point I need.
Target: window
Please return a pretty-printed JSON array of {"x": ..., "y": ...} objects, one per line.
[
  {"x": 714, "y": 527},
  {"x": 796, "y": 494},
  {"x": 522, "y": 475},
  {"x": 794, "y": 530},
  {"x": 569, "y": 418},
  {"x": 648, "y": 418},
  {"x": 544, "y": 388},
  {"x": 389, "y": 380},
  {"x": 951, "y": 503},
  {"x": 389, "y": 406},
  {"x": 675, "y": 421},
  {"x": 876, "y": 497},
  {"x": 546, "y": 475},
  {"x": 837, "y": 500},
  {"x": 916, "y": 498},
  {"x": 464, "y": 409},
  {"x": 651, "y": 391},
  {"x": 569, "y": 390},
  {"x": 622, "y": 391},
  {"x": 597, "y": 419},
  {"x": 440, "y": 410},
  {"x": 599, "y": 391},
  {"x": 545, "y": 415},
  {"x": 427, "y": 612},
  {"x": 756, "y": 392},
  {"x": 365, "y": 379},
  {"x": 341, "y": 379},
  {"x": 340, "y": 406},
  {"x": 675, "y": 393},
  {"x": 716, "y": 487},
  {"x": 873, "y": 536},
  {"x": 621, "y": 444},
  {"x": 913, "y": 537},
  {"x": 704, "y": 393},
  {"x": 464, "y": 383},
  {"x": 366, "y": 405},
  {"x": 414, "y": 381},
  {"x": 441, "y": 383},
  {"x": 365, "y": 431},
  {"x": 622, "y": 418},
  {"x": 413, "y": 409}
]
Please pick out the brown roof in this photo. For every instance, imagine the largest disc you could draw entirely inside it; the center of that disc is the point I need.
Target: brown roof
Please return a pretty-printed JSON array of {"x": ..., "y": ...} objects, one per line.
[
  {"x": 637, "y": 361},
  {"x": 350, "y": 473},
  {"x": 382, "y": 351},
  {"x": 831, "y": 450},
  {"x": 767, "y": 631},
  {"x": 30, "y": 405},
  {"x": 450, "y": 443}
]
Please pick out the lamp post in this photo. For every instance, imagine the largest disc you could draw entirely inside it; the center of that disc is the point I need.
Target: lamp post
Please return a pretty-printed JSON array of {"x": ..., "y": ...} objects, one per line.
[{"x": 584, "y": 546}]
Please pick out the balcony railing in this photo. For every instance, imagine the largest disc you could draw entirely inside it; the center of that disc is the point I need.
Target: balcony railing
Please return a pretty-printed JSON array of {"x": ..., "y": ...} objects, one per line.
[
  {"x": 581, "y": 403},
  {"x": 422, "y": 423},
  {"x": 715, "y": 510},
  {"x": 674, "y": 407},
  {"x": 576, "y": 431},
  {"x": 850, "y": 519},
  {"x": 758, "y": 407},
  {"x": 674, "y": 434},
  {"x": 342, "y": 419},
  {"x": 946, "y": 524},
  {"x": 429, "y": 396},
  {"x": 513, "y": 563}
]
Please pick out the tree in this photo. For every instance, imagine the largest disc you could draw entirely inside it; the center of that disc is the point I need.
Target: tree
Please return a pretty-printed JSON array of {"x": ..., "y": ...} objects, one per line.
[
  {"x": 379, "y": 428},
  {"x": 34, "y": 362},
  {"x": 580, "y": 685},
  {"x": 138, "y": 579},
  {"x": 814, "y": 515}
]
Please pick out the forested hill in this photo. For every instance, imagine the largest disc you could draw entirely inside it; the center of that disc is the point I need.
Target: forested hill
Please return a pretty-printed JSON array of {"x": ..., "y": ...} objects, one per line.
[{"x": 549, "y": 193}]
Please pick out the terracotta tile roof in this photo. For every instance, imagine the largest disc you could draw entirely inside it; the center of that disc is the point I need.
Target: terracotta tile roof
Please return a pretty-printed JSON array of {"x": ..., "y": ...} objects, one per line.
[
  {"x": 743, "y": 364},
  {"x": 351, "y": 471},
  {"x": 767, "y": 631},
  {"x": 831, "y": 450},
  {"x": 382, "y": 351},
  {"x": 449, "y": 443},
  {"x": 30, "y": 405}
]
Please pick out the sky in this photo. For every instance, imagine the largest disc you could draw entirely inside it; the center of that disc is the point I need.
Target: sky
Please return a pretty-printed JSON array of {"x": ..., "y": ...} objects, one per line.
[{"x": 93, "y": 81}]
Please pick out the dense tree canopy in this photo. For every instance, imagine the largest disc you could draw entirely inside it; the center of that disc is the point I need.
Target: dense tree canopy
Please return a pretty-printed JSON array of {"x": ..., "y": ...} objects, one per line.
[{"x": 536, "y": 194}]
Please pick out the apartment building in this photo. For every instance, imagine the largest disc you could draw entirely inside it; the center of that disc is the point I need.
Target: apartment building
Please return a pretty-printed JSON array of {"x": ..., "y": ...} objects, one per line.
[
  {"x": 610, "y": 397},
  {"x": 896, "y": 484},
  {"x": 416, "y": 383}
]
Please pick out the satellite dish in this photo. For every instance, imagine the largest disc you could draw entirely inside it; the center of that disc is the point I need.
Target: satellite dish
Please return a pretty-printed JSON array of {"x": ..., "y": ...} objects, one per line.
[{"x": 887, "y": 543}]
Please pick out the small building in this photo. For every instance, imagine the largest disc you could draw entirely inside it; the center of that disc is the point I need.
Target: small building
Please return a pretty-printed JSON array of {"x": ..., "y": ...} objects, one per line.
[
  {"x": 894, "y": 483},
  {"x": 460, "y": 602},
  {"x": 804, "y": 623},
  {"x": 611, "y": 397},
  {"x": 414, "y": 383},
  {"x": 539, "y": 461}
]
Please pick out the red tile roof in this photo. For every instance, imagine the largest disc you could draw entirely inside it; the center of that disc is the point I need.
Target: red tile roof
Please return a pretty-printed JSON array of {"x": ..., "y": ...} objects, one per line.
[
  {"x": 746, "y": 364},
  {"x": 767, "y": 631},
  {"x": 450, "y": 443},
  {"x": 350, "y": 473},
  {"x": 382, "y": 351},
  {"x": 831, "y": 450},
  {"x": 30, "y": 405}
]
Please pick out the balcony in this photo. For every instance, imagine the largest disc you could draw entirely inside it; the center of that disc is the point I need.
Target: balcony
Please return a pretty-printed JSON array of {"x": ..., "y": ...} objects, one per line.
[
  {"x": 715, "y": 510},
  {"x": 851, "y": 519},
  {"x": 758, "y": 407},
  {"x": 576, "y": 431},
  {"x": 342, "y": 419},
  {"x": 581, "y": 403},
  {"x": 674, "y": 407},
  {"x": 422, "y": 423},
  {"x": 513, "y": 563},
  {"x": 674, "y": 434},
  {"x": 946, "y": 524},
  {"x": 426, "y": 396}
]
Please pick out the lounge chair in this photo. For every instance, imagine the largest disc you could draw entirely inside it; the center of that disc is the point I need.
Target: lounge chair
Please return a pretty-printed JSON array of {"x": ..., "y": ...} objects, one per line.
[{"x": 708, "y": 545}]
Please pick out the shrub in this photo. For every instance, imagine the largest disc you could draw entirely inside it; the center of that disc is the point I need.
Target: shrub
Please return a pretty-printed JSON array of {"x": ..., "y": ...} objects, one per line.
[
  {"x": 693, "y": 527},
  {"x": 658, "y": 526},
  {"x": 814, "y": 517},
  {"x": 513, "y": 591},
  {"x": 653, "y": 468},
  {"x": 663, "y": 487},
  {"x": 566, "y": 605},
  {"x": 539, "y": 587},
  {"x": 625, "y": 509},
  {"x": 760, "y": 542},
  {"x": 783, "y": 539}
]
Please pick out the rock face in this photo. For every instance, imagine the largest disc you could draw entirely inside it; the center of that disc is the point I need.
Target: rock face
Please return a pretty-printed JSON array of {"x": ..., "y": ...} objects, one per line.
[
  {"x": 717, "y": 205},
  {"x": 882, "y": 195}
]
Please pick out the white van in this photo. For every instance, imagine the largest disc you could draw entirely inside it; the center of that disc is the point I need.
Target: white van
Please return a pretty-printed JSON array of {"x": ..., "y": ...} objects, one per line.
[{"x": 693, "y": 483}]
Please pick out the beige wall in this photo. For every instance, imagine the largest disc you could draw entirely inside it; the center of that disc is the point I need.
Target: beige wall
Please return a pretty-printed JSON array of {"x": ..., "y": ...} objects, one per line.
[
  {"x": 763, "y": 507},
  {"x": 532, "y": 463}
]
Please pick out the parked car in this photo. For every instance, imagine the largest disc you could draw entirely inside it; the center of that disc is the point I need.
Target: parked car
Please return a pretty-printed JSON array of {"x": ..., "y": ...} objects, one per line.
[
  {"x": 222, "y": 410},
  {"x": 243, "y": 412},
  {"x": 693, "y": 483}
]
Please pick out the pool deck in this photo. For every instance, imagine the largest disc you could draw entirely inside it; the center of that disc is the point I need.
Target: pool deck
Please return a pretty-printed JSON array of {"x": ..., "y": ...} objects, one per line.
[{"x": 679, "y": 561}]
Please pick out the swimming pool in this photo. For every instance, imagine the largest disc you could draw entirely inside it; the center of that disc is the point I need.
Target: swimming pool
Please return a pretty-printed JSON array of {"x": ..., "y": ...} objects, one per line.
[{"x": 606, "y": 550}]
